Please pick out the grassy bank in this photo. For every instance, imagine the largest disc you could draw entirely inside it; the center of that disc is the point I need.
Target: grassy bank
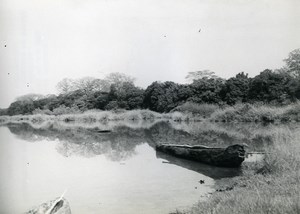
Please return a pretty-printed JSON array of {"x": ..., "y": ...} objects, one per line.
[
  {"x": 242, "y": 112},
  {"x": 271, "y": 186},
  {"x": 257, "y": 113},
  {"x": 99, "y": 116},
  {"x": 99, "y": 119},
  {"x": 185, "y": 112}
]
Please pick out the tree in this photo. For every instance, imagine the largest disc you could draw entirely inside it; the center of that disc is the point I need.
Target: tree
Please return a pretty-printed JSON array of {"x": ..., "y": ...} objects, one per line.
[
  {"x": 123, "y": 93},
  {"x": 118, "y": 79},
  {"x": 21, "y": 107},
  {"x": 65, "y": 86},
  {"x": 269, "y": 86},
  {"x": 293, "y": 63},
  {"x": 101, "y": 100},
  {"x": 90, "y": 84},
  {"x": 85, "y": 84},
  {"x": 195, "y": 75},
  {"x": 3, "y": 112},
  {"x": 25, "y": 104},
  {"x": 76, "y": 97},
  {"x": 132, "y": 95},
  {"x": 52, "y": 102},
  {"x": 206, "y": 90},
  {"x": 163, "y": 97},
  {"x": 236, "y": 89},
  {"x": 127, "y": 96},
  {"x": 30, "y": 97},
  {"x": 100, "y": 85}
]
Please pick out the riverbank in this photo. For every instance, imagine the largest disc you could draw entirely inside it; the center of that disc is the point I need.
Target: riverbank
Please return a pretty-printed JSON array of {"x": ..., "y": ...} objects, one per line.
[
  {"x": 130, "y": 118},
  {"x": 258, "y": 113},
  {"x": 243, "y": 112},
  {"x": 271, "y": 186},
  {"x": 187, "y": 112}
]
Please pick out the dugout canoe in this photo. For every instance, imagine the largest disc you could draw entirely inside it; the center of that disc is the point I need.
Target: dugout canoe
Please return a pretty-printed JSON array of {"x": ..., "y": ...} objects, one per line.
[
  {"x": 232, "y": 156},
  {"x": 57, "y": 206}
]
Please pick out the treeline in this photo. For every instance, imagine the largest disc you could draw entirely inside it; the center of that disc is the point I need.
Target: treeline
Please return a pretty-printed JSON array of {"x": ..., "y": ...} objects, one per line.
[{"x": 117, "y": 91}]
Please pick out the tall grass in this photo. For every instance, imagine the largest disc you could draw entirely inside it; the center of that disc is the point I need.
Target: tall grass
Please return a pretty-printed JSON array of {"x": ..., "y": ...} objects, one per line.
[
  {"x": 257, "y": 113},
  {"x": 269, "y": 187},
  {"x": 203, "y": 110},
  {"x": 97, "y": 118},
  {"x": 185, "y": 112},
  {"x": 103, "y": 116}
]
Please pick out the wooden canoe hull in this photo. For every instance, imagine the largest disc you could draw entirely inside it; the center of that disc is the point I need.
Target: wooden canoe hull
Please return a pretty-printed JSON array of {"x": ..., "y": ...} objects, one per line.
[
  {"x": 232, "y": 156},
  {"x": 57, "y": 206}
]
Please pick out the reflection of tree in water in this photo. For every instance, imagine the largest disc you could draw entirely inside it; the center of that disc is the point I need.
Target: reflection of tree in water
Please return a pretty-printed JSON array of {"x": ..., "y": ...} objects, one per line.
[
  {"x": 163, "y": 132},
  {"x": 123, "y": 142},
  {"x": 24, "y": 131},
  {"x": 120, "y": 144},
  {"x": 84, "y": 149},
  {"x": 117, "y": 145}
]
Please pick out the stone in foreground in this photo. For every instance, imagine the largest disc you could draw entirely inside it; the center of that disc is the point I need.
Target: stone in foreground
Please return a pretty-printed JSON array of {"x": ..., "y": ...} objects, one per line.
[{"x": 232, "y": 156}]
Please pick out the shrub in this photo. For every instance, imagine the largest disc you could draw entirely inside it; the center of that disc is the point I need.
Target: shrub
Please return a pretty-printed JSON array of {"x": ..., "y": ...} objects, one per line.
[
  {"x": 42, "y": 111},
  {"x": 204, "y": 110},
  {"x": 62, "y": 109}
]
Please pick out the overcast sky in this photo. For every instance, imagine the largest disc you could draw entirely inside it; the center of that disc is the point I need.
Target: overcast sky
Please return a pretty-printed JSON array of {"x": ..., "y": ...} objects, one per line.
[{"x": 47, "y": 40}]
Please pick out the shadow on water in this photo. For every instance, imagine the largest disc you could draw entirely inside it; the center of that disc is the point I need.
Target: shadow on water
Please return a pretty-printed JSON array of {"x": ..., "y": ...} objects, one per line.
[{"x": 207, "y": 170}]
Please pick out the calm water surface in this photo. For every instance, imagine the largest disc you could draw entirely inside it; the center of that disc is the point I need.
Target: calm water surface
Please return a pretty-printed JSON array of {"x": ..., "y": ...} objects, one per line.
[{"x": 117, "y": 172}]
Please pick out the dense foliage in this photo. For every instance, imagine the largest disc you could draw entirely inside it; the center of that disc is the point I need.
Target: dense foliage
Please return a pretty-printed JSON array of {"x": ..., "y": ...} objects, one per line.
[{"x": 117, "y": 91}]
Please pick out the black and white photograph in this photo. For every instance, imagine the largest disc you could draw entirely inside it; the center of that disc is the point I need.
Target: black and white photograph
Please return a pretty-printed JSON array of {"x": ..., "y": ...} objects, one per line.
[{"x": 149, "y": 106}]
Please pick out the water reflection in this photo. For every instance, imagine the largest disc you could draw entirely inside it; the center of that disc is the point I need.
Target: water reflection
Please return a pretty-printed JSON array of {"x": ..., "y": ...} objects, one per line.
[
  {"x": 117, "y": 145},
  {"x": 120, "y": 144},
  {"x": 87, "y": 141},
  {"x": 119, "y": 168},
  {"x": 204, "y": 169}
]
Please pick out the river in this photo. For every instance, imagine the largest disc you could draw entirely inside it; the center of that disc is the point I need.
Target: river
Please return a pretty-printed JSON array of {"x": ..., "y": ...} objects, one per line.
[{"x": 113, "y": 172}]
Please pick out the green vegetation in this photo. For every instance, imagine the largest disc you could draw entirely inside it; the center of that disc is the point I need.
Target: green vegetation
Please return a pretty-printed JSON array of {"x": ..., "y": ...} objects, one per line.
[
  {"x": 96, "y": 116},
  {"x": 202, "y": 110},
  {"x": 191, "y": 112},
  {"x": 117, "y": 91},
  {"x": 258, "y": 113},
  {"x": 268, "y": 187}
]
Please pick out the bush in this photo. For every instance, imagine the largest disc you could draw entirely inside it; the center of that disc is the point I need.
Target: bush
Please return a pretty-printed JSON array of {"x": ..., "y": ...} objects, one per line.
[
  {"x": 204, "y": 110},
  {"x": 62, "y": 109},
  {"x": 42, "y": 111}
]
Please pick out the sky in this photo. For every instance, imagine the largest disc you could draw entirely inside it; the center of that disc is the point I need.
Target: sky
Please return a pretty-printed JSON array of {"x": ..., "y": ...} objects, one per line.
[{"x": 42, "y": 42}]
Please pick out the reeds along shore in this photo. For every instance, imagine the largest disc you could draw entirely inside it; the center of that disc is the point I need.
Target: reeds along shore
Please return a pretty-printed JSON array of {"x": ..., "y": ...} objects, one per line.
[
  {"x": 271, "y": 186},
  {"x": 186, "y": 112}
]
